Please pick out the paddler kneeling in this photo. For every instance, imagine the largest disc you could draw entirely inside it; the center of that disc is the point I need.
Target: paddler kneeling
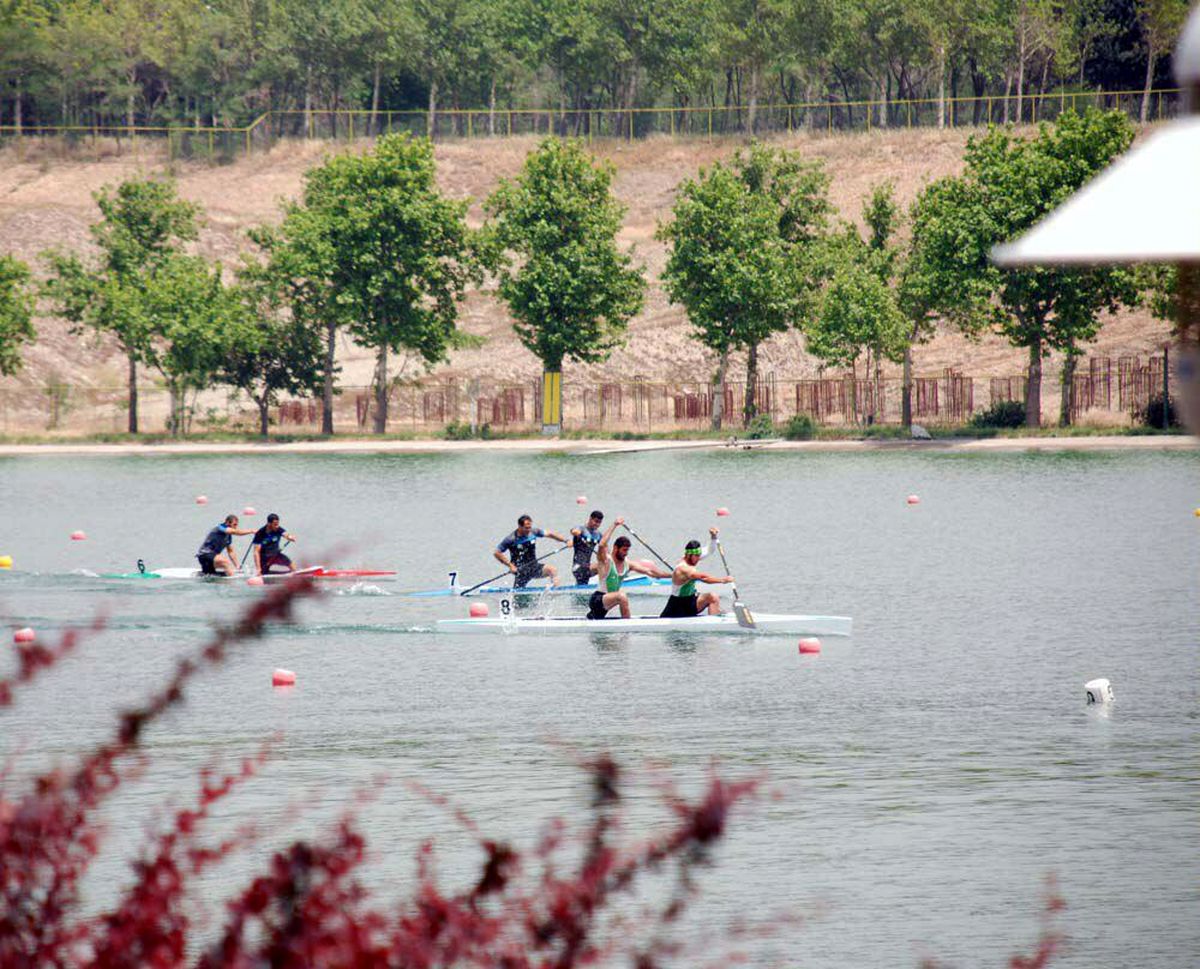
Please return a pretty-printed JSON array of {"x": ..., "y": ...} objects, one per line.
[
  {"x": 215, "y": 553},
  {"x": 611, "y": 569},
  {"x": 268, "y": 556},
  {"x": 684, "y": 602}
]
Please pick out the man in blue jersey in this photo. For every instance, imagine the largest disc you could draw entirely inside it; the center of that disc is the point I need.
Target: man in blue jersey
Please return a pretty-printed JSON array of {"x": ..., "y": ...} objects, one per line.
[
  {"x": 268, "y": 557},
  {"x": 214, "y": 555},
  {"x": 584, "y": 540},
  {"x": 518, "y": 552}
]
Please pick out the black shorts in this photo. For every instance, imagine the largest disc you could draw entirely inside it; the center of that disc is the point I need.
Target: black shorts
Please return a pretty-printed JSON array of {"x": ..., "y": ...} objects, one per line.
[
  {"x": 680, "y": 607},
  {"x": 206, "y": 565},
  {"x": 583, "y": 574},
  {"x": 270, "y": 561},
  {"x": 596, "y": 608},
  {"x": 526, "y": 575}
]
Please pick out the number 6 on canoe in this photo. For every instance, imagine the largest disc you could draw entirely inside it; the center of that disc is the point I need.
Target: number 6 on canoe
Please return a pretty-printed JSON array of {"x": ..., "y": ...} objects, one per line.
[{"x": 745, "y": 617}]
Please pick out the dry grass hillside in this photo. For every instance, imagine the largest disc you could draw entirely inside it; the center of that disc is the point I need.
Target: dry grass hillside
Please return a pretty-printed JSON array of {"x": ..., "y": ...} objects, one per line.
[{"x": 47, "y": 201}]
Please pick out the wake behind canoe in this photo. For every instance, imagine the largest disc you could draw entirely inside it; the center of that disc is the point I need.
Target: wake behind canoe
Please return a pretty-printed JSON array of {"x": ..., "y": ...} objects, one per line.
[{"x": 765, "y": 623}]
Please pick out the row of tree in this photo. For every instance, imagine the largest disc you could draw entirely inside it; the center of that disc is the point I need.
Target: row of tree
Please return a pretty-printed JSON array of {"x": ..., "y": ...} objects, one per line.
[
  {"x": 373, "y": 249},
  {"x": 224, "y": 62}
]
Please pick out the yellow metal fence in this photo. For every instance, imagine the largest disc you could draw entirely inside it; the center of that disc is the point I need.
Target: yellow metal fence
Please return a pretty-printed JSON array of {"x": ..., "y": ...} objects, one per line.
[{"x": 222, "y": 144}]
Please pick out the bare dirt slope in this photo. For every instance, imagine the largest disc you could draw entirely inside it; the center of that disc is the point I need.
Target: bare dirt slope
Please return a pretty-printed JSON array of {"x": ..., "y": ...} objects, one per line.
[{"x": 47, "y": 201}]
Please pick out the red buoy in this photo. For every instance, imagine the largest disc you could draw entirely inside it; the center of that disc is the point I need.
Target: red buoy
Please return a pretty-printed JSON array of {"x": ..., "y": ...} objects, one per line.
[
  {"x": 722, "y": 512},
  {"x": 78, "y": 536},
  {"x": 810, "y": 647},
  {"x": 25, "y": 635},
  {"x": 914, "y": 499},
  {"x": 249, "y": 511},
  {"x": 201, "y": 499},
  {"x": 282, "y": 677},
  {"x": 255, "y": 580},
  {"x": 478, "y": 610},
  {"x": 581, "y": 500}
]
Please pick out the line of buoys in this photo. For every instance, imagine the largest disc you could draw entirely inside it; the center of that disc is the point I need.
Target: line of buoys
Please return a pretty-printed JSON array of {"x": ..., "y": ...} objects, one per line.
[
  {"x": 78, "y": 536},
  {"x": 914, "y": 499},
  {"x": 478, "y": 610},
  {"x": 1098, "y": 691},
  {"x": 201, "y": 499},
  {"x": 255, "y": 580},
  {"x": 722, "y": 512},
  {"x": 5, "y": 561},
  {"x": 282, "y": 677},
  {"x": 25, "y": 635},
  {"x": 809, "y": 646}
]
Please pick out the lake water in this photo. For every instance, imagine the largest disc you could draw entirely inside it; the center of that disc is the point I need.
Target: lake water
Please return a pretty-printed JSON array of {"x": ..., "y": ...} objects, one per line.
[{"x": 933, "y": 770}]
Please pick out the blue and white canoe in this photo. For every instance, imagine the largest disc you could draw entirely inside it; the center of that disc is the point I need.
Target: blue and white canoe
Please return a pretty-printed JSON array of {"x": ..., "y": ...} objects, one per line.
[
  {"x": 765, "y": 624},
  {"x": 640, "y": 585}
]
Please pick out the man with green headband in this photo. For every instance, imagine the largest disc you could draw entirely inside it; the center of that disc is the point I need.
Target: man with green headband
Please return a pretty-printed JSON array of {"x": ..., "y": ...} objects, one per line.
[
  {"x": 611, "y": 569},
  {"x": 684, "y": 601}
]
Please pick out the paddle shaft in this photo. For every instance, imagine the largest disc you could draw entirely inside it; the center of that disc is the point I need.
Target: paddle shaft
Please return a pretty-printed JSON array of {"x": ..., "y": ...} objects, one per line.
[
  {"x": 726, "y": 564},
  {"x": 651, "y": 550},
  {"x": 496, "y": 578}
]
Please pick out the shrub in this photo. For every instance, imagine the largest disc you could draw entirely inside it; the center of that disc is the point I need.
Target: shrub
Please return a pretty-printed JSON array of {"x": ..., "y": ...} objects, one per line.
[
  {"x": 457, "y": 431},
  {"x": 800, "y": 427},
  {"x": 1002, "y": 413},
  {"x": 1152, "y": 413},
  {"x": 761, "y": 426}
]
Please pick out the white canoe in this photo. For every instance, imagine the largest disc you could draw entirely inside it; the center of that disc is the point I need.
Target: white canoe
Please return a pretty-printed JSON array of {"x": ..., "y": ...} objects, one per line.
[
  {"x": 766, "y": 624},
  {"x": 313, "y": 572}
]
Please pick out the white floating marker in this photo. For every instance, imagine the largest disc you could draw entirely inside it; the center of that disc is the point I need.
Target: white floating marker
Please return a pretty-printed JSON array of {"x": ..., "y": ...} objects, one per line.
[{"x": 1098, "y": 691}]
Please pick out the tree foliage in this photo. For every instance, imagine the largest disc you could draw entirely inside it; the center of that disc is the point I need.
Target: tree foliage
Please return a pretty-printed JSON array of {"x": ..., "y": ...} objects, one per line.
[
  {"x": 17, "y": 303},
  {"x": 1008, "y": 185},
  {"x": 570, "y": 288}
]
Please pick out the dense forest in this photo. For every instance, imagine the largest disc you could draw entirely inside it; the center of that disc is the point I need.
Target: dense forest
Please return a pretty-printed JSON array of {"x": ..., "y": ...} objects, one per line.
[{"x": 226, "y": 62}]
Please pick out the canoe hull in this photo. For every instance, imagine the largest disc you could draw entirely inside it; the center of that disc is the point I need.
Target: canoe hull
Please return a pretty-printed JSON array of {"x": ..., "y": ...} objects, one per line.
[
  {"x": 633, "y": 587},
  {"x": 315, "y": 572},
  {"x": 767, "y": 624}
]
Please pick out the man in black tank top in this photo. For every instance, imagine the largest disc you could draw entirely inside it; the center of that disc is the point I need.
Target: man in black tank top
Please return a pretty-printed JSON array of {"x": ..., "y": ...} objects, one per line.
[
  {"x": 584, "y": 541},
  {"x": 518, "y": 551}
]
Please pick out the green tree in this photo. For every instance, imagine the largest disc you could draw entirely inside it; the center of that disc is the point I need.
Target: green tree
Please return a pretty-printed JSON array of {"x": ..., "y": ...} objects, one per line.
[
  {"x": 570, "y": 289},
  {"x": 142, "y": 227},
  {"x": 1160, "y": 21},
  {"x": 279, "y": 353},
  {"x": 16, "y": 313},
  {"x": 390, "y": 252},
  {"x": 744, "y": 238},
  {"x": 1010, "y": 183}
]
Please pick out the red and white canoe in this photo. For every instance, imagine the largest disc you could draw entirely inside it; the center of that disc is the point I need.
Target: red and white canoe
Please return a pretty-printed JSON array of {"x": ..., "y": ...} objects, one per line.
[{"x": 314, "y": 572}]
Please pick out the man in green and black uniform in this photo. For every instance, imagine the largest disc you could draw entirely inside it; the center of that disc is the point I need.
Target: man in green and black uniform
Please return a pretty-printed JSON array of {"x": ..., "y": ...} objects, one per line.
[
  {"x": 611, "y": 570},
  {"x": 684, "y": 601},
  {"x": 584, "y": 540},
  {"x": 518, "y": 551}
]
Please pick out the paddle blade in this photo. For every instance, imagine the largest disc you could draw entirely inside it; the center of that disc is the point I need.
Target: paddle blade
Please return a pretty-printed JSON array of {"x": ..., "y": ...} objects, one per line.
[{"x": 745, "y": 617}]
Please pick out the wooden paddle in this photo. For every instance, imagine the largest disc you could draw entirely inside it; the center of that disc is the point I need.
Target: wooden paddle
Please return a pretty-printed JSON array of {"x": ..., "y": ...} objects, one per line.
[{"x": 745, "y": 617}]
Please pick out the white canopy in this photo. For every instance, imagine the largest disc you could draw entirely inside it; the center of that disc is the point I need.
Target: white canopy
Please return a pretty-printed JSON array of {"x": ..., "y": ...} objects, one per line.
[{"x": 1144, "y": 208}]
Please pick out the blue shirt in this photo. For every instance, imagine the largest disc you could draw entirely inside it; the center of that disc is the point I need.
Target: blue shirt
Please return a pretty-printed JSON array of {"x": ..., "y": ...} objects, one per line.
[
  {"x": 216, "y": 541},
  {"x": 521, "y": 549}
]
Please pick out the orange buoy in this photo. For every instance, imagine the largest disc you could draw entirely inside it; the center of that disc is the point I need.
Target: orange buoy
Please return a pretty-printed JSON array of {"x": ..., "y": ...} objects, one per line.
[
  {"x": 478, "y": 610},
  {"x": 810, "y": 647},
  {"x": 914, "y": 499},
  {"x": 255, "y": 580},
  {"x": 249, "y": 511},
  {"x": 282, "y": 677},
  {"x": 201, "y": 499},
  {"x": 25, "y": 635},
  {"x": 78, "y": 536},
  {"x": 722, "y": 512}
]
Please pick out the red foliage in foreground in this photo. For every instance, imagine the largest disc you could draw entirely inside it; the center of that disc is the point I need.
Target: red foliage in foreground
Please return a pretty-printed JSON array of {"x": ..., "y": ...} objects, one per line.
[{"x": 309, "y": 908}]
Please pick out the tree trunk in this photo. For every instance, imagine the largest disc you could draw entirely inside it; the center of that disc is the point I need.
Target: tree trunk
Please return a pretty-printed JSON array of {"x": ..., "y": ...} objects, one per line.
[
  {"x": 133, "y": 395},
  {"x": 492, "y": 108},
  {"x": 906, "y": 389},
  {"x": 381, "y": 391},
  {"x": 431, "y": 114},
  {"x": 941, "y": 103},
  {"x": 1007, "y": 92},
  {"x": 881, "y": 115},
  {"x": 752, "y": 107},
  {"x": 1149, "y": 81},
  {"x": 1021, "y": 78},
  {"x": 749, "y": 402},
  {"x": 371, "y": 125},
  {"x": 718, "y": 408},
  {"x": 308, "y": 119},
  {"x": 1068, "y": 382},
  {"x": 327, "y": 389},
  {"x": 264, "y": 416},
  {"x": 1033, "y": 390}
]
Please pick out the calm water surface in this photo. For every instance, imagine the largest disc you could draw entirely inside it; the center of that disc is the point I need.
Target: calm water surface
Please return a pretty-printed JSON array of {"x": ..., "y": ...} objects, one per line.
[{"x": 934, "y": 769}]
